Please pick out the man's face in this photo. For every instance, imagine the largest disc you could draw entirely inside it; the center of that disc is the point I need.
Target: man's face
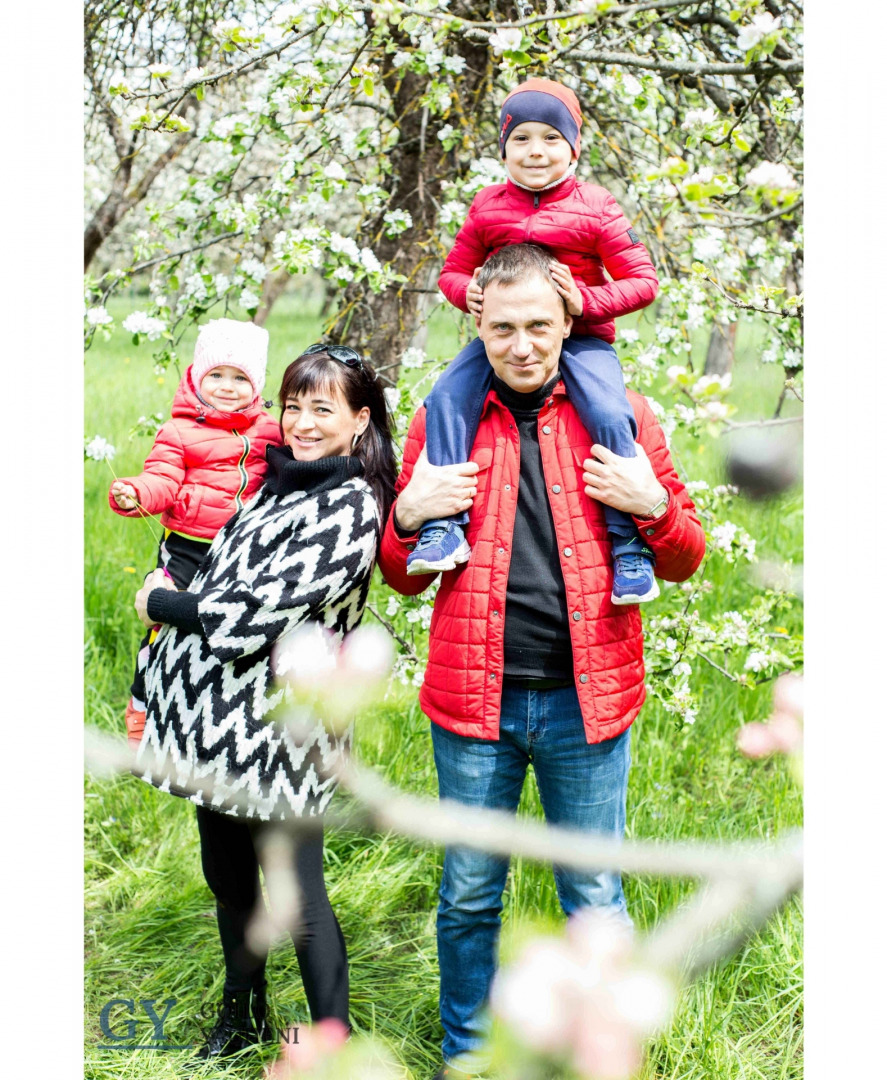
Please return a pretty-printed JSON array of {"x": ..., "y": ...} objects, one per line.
[{"x": 523, "y": 327}]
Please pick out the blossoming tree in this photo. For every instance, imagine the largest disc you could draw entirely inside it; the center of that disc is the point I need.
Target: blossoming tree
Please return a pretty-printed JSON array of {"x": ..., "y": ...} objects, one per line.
[{"x": 236, "y": 143}]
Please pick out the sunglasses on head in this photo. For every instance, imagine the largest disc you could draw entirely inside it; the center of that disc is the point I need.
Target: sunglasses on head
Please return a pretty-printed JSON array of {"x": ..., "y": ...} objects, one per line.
[{"x": 342, "y": 353}]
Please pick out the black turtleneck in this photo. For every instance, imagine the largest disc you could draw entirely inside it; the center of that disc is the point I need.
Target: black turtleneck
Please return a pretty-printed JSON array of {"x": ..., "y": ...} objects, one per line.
[{"x": 537, "y": 633}]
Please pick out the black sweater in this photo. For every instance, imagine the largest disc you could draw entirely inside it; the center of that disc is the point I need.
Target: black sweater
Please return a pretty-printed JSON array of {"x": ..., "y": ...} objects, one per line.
[{"x": 537, "y": 634}]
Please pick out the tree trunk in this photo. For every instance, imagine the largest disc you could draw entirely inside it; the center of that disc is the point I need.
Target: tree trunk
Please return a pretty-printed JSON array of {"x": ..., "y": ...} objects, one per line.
[
  {"x": 382, "y": 325},
  {"x": 721, "y": 349},
  {"x": 273, "y": 287}
]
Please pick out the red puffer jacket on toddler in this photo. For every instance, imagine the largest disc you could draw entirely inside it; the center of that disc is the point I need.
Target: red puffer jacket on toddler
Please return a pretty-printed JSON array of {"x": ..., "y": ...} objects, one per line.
[
  {"x": 582, "y": 225},
  {"x": 204, "y": 465}
]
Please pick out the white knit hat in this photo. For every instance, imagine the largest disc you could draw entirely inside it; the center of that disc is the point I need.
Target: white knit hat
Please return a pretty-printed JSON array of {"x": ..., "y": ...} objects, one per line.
[{"x": 241, "y": 345}]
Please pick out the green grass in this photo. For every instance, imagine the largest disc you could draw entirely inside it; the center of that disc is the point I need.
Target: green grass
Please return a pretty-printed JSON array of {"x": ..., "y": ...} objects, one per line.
[{"x": 150, "y": 929}]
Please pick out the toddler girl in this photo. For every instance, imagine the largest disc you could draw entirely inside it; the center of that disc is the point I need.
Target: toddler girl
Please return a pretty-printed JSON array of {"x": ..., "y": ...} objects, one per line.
[{"x": 206, "y": 462}]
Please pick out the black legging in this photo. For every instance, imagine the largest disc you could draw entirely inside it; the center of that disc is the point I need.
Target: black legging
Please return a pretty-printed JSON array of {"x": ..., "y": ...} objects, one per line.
[{"x": 231, "y": 868}]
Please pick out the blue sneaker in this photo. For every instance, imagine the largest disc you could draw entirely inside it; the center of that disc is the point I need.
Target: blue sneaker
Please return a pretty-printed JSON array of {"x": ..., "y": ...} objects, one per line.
[
  {"x": 633, "y": 580},
  {"x": 441, "y": 546}
]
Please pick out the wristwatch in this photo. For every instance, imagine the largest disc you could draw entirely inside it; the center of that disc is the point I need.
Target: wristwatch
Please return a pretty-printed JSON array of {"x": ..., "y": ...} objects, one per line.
[{"x": 659, "y": 508}]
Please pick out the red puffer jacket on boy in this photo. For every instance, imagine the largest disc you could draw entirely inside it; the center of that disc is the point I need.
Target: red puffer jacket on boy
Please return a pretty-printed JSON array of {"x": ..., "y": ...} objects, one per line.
[
  {"x": 204, "y": 465},
  {"x": 582, "y": 225},
  {"x": 462, "y": 690}
]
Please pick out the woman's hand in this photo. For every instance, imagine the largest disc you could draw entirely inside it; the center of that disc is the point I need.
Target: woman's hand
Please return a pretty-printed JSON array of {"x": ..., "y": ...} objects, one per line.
[
  {"x": 435, "y": 491},
  {"x": 567, "y": 288},
  {"x": 626, "y": 483},
  {"x": 474, "y": 298},
  {"x": 157, "y": 579},
  {"x": 124, "y": 495}
]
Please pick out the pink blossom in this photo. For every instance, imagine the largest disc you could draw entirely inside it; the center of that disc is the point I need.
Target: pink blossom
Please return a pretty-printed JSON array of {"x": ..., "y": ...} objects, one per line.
[{"x": 316, "y": 1044}]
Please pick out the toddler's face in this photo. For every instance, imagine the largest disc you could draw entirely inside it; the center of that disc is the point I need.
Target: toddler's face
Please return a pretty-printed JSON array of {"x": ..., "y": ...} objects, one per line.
[
  {"x": 537, "y": 154},
  {"x": 226, "y": 389}
]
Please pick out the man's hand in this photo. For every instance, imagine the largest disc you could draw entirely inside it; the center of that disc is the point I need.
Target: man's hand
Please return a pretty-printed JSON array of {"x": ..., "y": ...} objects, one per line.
[
  {"x": 628, "y": 484},
  {"x": 474, "y": 298},
  {"x": 435, "y": 491},
  {"x": 566, "y": 286},
  {"x": 124, "y": 495},
  {"x": 157, "y": 579}
]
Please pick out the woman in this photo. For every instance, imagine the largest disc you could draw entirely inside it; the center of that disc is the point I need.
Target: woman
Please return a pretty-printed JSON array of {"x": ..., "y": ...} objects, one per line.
[{"x": 302, "y": 550}]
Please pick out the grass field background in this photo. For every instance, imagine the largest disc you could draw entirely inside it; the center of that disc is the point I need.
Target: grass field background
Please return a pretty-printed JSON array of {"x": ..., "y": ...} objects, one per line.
[{"x": 150, "y": 922}]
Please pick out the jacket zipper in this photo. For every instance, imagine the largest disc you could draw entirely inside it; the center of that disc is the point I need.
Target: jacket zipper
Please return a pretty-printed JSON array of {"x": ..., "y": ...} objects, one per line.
[{"x": 241, "y": 467}]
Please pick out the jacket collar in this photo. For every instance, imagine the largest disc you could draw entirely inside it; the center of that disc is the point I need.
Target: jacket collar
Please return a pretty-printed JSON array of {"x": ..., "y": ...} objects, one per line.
[
  {"x": 188, "y": 405},
  {"x": 554, "y": 194},
  {"x": 286, "y": 475},
  {"x": 493, "y": 399}
]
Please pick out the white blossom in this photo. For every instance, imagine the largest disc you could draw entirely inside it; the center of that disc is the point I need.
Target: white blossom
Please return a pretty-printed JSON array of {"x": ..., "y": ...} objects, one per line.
[
  {"x": 771, "y": 174},
  {"x": 334, "y": 171},
  {"x": 757, "y": 30},
  {"x": 722, "y": 536},
  {"x": 97, "y": 316},
  {"x": 401, "y": 58},
  {"x": 344, "y": 245},
  {"x": 160, "y": 71},
  {"x": 224, "y": 126},
  {"x": 99, "y": 449},
  {"x": 705, "y": 175},
  {"x": 454, "y": 64},
  {"x": 697, "y": 119},
  {"x": 629, "y": 335},
  {"x": 631, "y": 86},
  {"x": 248, "y": 299},
  {"x": 369, "y": 261},
  {"x": 140, "y": 322},
  {"x": 665, "y": 334},
  {"x": 412, "y": 358},
  {"x": 712, "y": 410},
  {"x": 757, "y": 660},
  {"x": 506, "y": 41},
  {"x": 446, "y": 132},
  {"x": 221, "y": 283},
  {"x": 398, "y": 221},
  {"x": 393, "y": 606},
  {"x": 193, "y": 74}
]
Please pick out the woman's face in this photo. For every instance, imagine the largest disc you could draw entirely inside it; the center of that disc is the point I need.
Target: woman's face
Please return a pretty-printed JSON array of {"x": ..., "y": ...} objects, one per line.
[{"x": 321, "y": 424}]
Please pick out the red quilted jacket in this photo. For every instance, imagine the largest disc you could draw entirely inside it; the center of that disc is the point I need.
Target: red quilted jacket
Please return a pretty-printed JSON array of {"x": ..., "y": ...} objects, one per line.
[
  {"x": 204, "y": 464},
  {"x": 582, "y": 225},
  {"x": 463, "y": 681}
]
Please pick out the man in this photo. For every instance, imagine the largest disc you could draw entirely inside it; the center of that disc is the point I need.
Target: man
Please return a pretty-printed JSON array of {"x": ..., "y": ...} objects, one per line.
[{"x": 529, "y": 660}]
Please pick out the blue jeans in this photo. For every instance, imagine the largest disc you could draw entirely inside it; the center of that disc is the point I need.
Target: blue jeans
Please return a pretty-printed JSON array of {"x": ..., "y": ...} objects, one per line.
[
  {"x": 593, "y": 381},
  {"x": 582, "y": 786}
]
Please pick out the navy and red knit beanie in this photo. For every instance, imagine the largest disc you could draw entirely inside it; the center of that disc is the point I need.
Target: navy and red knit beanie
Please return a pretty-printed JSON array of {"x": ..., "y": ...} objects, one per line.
[{"x": 545, "y": 102}]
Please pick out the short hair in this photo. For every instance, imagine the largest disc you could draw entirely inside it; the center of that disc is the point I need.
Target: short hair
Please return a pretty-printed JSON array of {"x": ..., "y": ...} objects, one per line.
[{"x": 516, "y": 262}]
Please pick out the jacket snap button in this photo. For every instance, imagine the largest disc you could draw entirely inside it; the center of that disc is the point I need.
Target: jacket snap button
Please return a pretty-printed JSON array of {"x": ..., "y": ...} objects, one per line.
[
  {"x": 508, "y": 487},
  {"x": 492, "y": 678},
  {"x": 411, "y": 547},
  {"x": 546, "y": 430},
  {"x": 577, "y": 615},
  {"x": 583, "y": 678},
  {"x": 556, "y": 488},
  {"x": 650, "y": 532},
  {"x": 501, "y": 551},
  {"x": 496, "y": 613},
  {"x": 568, "y": 552}
]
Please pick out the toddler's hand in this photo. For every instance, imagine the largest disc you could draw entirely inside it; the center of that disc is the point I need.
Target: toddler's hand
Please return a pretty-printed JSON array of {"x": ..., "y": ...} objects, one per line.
[
  {"x": 474, "y": 298},
  {"x": 124, "y": 495},
  {"x": 567, "y": 288}
]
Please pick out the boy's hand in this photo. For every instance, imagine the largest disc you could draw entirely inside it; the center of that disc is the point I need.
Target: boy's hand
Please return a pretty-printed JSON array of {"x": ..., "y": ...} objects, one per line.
[
  {"x": 474, "y": 298},
  {"x": 124, "y": 495},
  {"x": 567, "y": 288}
]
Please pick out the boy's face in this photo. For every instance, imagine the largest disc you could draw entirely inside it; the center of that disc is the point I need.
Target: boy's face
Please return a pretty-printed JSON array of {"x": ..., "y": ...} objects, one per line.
[
  {"x": 537, "y": 154},
  {"x": 226, "y": 388}
]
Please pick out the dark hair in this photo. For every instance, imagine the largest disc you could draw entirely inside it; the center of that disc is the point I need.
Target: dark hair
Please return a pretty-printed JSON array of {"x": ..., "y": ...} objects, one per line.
[
  {"x": 517, "y": 262},
  {"x": 314, "y": 372}
]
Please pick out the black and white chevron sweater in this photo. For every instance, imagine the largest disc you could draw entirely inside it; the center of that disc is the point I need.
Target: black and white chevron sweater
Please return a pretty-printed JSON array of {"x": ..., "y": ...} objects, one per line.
[{"x": 302, "y": 550}]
